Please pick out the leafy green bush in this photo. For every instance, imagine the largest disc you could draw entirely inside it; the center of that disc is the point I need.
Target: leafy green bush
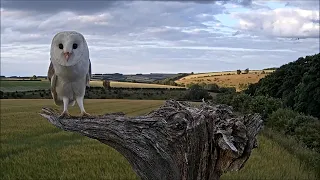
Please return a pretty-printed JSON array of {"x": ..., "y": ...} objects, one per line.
[
  {"x": 241, "y": 102},
  {"x": 212, "y": 88},
  {"x": 305, "y": 129},
  {"x": 224, "y": 98},
  {"x": 245, "y": 103},
  {"x": 279, "y": 119},
  {"x": 227, "y": 90},
  {"x": 196, "y": 93},
  {"x": 308, "y": 132},
  {"x": 307, "y": 92},
  {"x": 264, "y": 105}
]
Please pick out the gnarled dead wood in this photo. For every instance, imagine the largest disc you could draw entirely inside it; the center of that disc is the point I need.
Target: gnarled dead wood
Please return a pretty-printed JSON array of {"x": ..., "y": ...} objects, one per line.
[{"x": 175, "y": 142}]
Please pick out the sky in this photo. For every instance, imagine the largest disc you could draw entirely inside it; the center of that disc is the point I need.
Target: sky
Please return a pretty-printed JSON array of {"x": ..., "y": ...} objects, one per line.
[{"x": 167, "y": 36}]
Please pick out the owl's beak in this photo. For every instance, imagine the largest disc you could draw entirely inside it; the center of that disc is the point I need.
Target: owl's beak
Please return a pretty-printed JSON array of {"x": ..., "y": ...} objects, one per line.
[{"x": 67, "y": 55}]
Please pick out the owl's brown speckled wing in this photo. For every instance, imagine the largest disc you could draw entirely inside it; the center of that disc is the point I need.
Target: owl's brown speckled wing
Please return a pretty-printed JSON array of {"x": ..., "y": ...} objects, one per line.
[
  {"x": 89, "y": 75},
  {"x": 53, "y": 79},
  {"x": 50, "y": 72}
]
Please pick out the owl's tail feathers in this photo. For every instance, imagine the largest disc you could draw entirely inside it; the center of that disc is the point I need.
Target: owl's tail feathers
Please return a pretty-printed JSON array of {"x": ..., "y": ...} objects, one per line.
[
  {"x": 72, "y": 103},
  {"x": 58, "y": 102}
]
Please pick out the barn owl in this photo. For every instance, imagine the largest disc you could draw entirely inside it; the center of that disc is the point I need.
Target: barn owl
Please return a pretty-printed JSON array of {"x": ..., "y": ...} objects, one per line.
[{"x": 69, "y": 70}]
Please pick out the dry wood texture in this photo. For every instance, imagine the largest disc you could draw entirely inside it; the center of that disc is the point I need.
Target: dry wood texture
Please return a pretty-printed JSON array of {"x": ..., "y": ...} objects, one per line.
[{"x": 178, "y": 141}]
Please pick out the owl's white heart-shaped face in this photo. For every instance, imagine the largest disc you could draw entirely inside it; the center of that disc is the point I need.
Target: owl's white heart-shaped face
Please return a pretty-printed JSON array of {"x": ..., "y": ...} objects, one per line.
[{"x": 69, "y": 48}]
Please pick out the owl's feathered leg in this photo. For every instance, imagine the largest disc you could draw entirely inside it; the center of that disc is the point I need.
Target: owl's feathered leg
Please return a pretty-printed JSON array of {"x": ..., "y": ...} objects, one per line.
[
  {"x": 65, "y": 112},
  {"x": 79, "y": 100}
]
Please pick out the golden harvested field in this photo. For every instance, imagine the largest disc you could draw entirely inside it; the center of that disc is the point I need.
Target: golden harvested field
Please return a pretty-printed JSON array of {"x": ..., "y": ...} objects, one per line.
[
  {"x": 131, "y": 85},
  {"x": 32, "y": 148},
  {"x": 225, "y": 79}
]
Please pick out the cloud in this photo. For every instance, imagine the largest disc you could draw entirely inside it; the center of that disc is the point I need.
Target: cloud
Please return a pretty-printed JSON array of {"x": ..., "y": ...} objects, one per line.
[
  {"x": 158, "y": 36},
  {"x": 50, "y": 6},
  {"x": 82, "y": 6},
  {"x": 282, "y": 22},
  {"x": 178, "y": 19},
  {"x": 9, "y": 36},
  {"x": 19, "y": 26},
  {"x": 65, "y": 19},
  {"x": 304, "y": 4}
]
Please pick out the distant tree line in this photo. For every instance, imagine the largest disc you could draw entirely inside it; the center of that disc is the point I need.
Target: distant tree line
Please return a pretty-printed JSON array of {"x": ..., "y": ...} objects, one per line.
[
  {"x": 195, "y": 93},
  {"x": 212, "y": 87},
  {"x": 21, "y": 79},
  {"x": 171, "y": 80},
  {"x": 272, "y": 68}
]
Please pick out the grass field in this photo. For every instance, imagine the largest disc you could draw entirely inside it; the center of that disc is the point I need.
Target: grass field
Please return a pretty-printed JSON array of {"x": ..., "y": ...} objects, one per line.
[
  {"x": 132, "y": 85},
  {"x": 225, "y": 79},
  {"x": 11, "y": 86},
  {"x": 32, "y": 148}
]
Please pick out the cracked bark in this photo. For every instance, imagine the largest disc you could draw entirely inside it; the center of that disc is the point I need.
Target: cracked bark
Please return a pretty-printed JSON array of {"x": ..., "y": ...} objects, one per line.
[{"x": 175, "y": 142}]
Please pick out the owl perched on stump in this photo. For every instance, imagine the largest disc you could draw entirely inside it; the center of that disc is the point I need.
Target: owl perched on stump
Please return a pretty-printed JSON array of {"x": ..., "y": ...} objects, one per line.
[{"x": 69, "y": 70}]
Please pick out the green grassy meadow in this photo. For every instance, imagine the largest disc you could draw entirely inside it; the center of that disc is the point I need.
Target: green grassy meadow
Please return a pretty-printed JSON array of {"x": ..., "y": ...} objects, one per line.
[
  {"x": 32, "y": 148},
  {"x": 12, "y": 86}
]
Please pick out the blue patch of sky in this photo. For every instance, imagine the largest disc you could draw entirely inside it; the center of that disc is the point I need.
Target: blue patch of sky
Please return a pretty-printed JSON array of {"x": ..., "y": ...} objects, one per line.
[
  {"x": 275, "y": 4},
  {"x": 227, "y": 19},
  {"x": 228, "y": 22}
]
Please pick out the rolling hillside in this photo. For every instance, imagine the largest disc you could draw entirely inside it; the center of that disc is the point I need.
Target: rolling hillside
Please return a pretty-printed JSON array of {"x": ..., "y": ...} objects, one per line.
[{"x": 226, "y": 79}]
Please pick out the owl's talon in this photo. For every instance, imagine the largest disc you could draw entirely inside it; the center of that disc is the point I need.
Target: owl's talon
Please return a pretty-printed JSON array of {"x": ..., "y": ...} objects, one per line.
[
  {"x": 65, "y": 114},
  {"x": 84, "y": 114}
]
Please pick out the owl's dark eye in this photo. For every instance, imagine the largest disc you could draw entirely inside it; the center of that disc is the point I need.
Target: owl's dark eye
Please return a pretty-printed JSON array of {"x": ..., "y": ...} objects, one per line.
[
  {"x": 60, "y": 46},
  {"x": 74, "y": 46}
]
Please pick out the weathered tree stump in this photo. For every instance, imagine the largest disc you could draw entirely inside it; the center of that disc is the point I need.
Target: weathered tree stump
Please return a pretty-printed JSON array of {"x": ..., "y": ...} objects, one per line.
[{"x": 175, "y": 142}]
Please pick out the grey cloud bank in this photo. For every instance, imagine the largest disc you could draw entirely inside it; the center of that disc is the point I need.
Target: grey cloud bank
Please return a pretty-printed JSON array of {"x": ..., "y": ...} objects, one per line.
[
  {"x": 50, "y": 6},
  {"x": 159, "y": 36}
]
